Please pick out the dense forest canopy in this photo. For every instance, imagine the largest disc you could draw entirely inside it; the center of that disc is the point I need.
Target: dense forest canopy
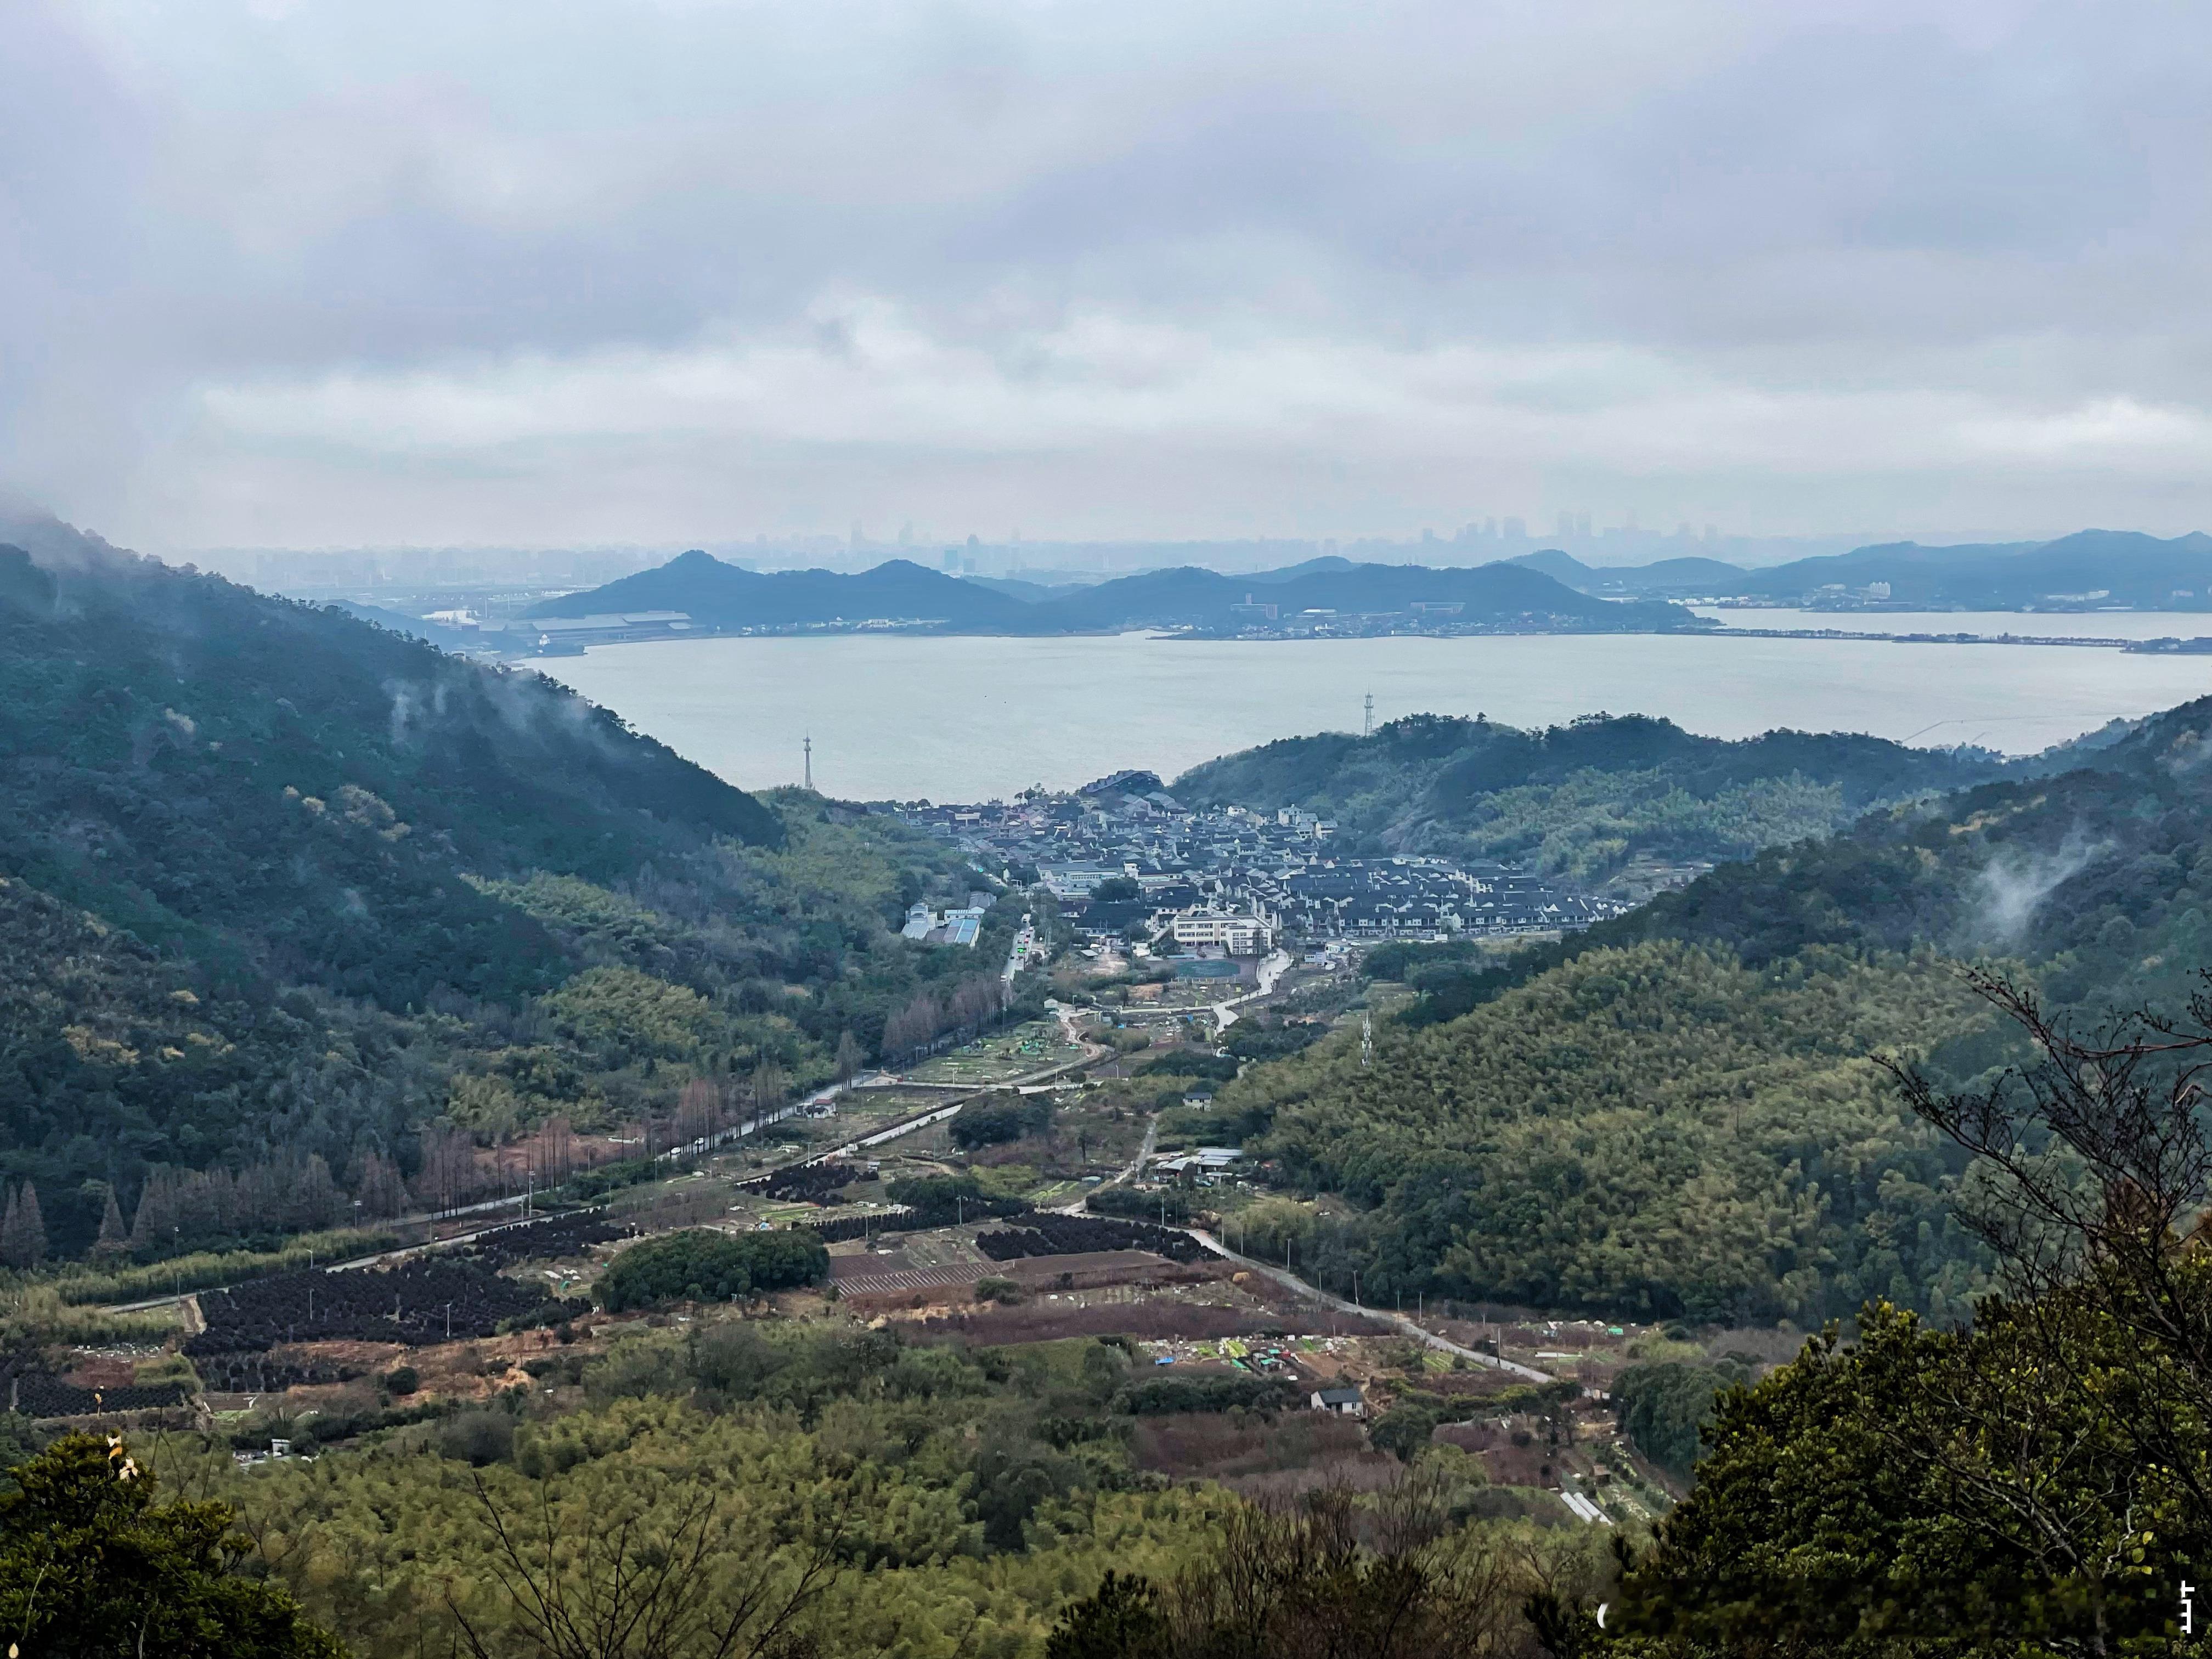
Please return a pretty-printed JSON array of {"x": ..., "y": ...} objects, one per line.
[
  {"x": 1656, "y": 1130},
  {"x": 1674, "y": 1111},
  {"x": 277, "y": 884},
  {"x": 2097, "y": 870},
  {"x": 1587, "y": 800}
]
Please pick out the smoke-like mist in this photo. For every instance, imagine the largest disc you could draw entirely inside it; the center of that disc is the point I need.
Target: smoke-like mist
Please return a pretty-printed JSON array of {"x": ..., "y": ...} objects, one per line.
[{"x": 2012, "y": 887}]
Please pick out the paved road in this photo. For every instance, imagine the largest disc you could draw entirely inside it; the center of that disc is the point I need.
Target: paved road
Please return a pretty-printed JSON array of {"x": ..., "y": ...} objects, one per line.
[
  {"x": 1152, "y": 1134},
  {"x": 1270, "y": 971},
  {"x": 1017, "y": 954},
  {"x": 1291, "y": 1281},
  {"x": 1092, "y": 1053}
]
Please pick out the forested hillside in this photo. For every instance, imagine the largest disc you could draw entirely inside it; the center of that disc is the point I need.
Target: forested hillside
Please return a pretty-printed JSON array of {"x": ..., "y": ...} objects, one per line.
[
  {"x": 278, "y": 884},
  {"x": 1674, "y": 1110},
  {"x": 1656, "y": 1130},
  {"x": 1593, "y": 799},
  {"x": 2101, "y": 876}
]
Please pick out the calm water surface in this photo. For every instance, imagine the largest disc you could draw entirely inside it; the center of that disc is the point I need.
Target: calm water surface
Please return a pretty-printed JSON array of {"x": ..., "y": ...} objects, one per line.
[{"x": 972, "y": 719}]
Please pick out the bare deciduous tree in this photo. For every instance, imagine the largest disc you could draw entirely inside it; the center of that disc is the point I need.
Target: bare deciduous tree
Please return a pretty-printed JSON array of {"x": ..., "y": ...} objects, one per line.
[
  {"x": 646, "y": 1585},
  {"x": 2098, "y": 1159}
]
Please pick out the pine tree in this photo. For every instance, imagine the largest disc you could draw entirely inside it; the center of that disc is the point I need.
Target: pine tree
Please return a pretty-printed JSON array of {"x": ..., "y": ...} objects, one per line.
[
  {"x": 154, "y": 1228},
  {"x": 22, "y": 1230},
  {"x": 114, "y": 1238},
  {"x": 378, "y": 1190},
  {"x": 33, "y": 1228}
]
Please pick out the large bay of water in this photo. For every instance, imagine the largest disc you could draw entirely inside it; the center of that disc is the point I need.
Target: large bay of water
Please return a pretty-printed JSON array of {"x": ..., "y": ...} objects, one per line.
[{"x": 972, "y": 719}]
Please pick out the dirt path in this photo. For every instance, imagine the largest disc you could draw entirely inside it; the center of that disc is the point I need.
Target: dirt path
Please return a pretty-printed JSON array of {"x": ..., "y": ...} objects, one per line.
[{"x": 1292, "y": 1282}]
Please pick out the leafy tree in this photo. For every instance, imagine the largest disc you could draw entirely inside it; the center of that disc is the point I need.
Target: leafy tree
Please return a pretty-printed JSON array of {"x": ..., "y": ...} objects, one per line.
[
  {"x": 1160, "y": 1395},
  {"x": 938, "y": 1201},
  {"x": 1928, "y": 1486},
  {"x": 1661, "y": 1407},
  {"x": 1405, "y": 1431},
  {"x": 1120, "y": 1619},
  {"x": 1001, "y": 1116},
  {"x": 115, "y": 1237},
  {"x": 91, "y": 1565},
  {"x": 701, "y": 1265}
]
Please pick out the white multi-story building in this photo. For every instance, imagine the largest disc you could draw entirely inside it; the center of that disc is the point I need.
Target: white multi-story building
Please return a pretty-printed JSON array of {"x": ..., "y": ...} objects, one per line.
[{"x": 1239, "y": 933}]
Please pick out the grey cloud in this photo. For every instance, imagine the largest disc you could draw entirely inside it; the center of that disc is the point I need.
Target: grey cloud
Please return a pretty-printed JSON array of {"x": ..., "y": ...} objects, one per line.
[{"x": 1997, "y": 208}]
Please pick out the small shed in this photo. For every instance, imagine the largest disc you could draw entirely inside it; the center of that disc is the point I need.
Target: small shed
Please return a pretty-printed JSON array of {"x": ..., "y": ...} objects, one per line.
[{"x": 1341, "y": 1403}]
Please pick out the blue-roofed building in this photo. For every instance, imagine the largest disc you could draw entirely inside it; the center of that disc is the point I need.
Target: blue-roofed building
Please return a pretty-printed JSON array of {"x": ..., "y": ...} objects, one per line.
[{"x": 952, "y": 927}]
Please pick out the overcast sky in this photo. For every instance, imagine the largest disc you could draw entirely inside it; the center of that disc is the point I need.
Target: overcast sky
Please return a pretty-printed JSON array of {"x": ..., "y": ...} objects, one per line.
[{"x": 311, "y": 274}]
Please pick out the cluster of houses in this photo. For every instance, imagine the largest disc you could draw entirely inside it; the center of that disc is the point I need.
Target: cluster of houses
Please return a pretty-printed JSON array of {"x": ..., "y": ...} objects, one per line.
[{"x": 1128, "y": 860}]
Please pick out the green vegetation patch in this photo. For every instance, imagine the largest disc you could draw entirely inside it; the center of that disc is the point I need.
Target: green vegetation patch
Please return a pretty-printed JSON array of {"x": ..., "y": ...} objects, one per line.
[
  {"x": 1658, "y": 1130},
  {"x": 701, "y": 1265}
]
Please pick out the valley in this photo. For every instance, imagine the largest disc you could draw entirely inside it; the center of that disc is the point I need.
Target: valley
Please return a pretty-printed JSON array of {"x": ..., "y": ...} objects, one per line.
[{"x": 435, "y": 1099}]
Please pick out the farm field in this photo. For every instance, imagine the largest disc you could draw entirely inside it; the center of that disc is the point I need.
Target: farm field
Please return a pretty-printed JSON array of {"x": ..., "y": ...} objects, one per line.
[{"x": 1000, "y": 1057}]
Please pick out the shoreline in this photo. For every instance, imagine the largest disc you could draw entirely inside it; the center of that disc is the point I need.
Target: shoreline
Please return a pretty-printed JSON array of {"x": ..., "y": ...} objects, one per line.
[{"x": 2168, "y": 645}]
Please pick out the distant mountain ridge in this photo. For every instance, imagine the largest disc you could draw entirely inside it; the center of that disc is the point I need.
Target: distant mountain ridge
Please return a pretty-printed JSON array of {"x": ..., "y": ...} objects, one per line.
[
  {"x": 2090, "y": 567},
  {"x": 725, "y": 596}
]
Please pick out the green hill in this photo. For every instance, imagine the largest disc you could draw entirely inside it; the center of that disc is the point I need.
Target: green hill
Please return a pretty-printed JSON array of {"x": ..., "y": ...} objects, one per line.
[
  {"x": 1674, "y": 1111},
  {"x": 1603, "y": 798},
  {"x": 277, "y": 884},
  {"x": 1655, "y": 1131},
  {"x": 2099, "y": 876}
]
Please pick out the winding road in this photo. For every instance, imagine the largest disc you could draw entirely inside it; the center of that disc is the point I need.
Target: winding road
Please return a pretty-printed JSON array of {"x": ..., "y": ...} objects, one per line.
[{"x": 1292, "y": 1282}]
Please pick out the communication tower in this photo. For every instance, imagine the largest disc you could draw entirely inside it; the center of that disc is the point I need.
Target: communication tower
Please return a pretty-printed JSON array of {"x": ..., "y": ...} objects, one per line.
[
  {"x": 1367, "y": 728},
  {"x": 809, "y": 746}
]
